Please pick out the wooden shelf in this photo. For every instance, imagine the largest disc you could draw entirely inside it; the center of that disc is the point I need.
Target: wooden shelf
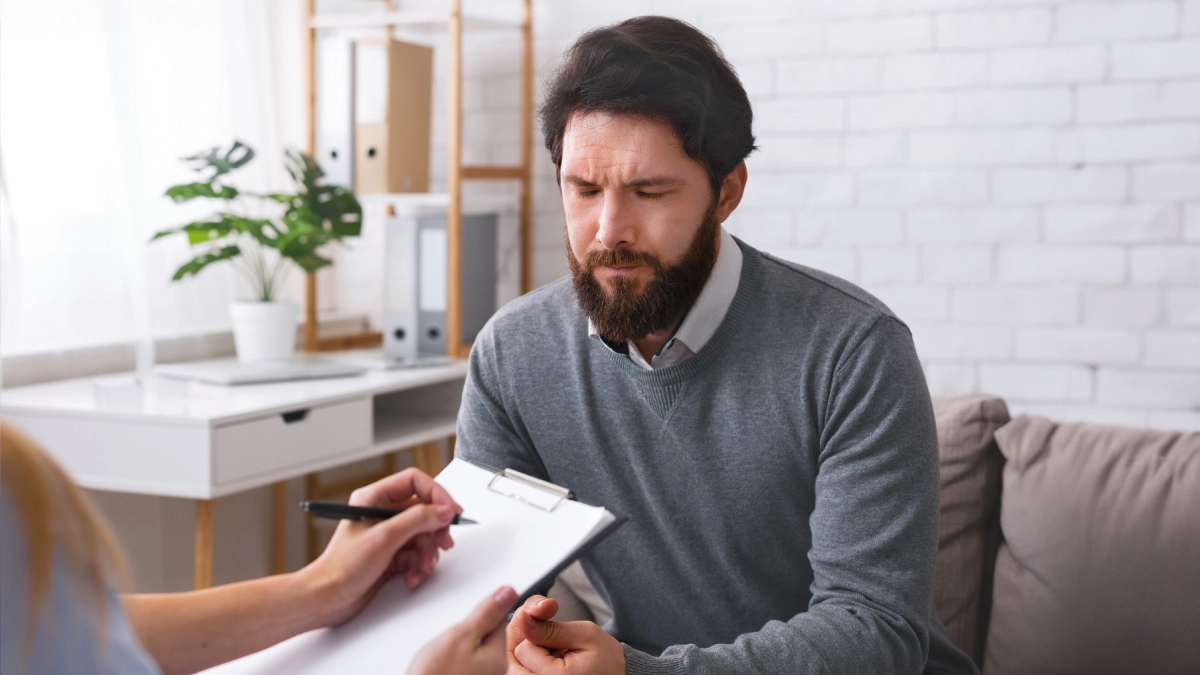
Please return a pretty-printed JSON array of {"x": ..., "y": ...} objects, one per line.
[
  {"x": 432, "y": 22},
  {"x": 493, "y": 172}
]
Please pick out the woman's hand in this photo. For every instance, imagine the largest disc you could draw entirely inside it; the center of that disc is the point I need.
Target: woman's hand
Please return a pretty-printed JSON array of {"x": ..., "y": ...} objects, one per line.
[
  {"x": 362, "y": 555},
  {"x": 189, "y": 632},
  {"x": 473, "y": 647}
]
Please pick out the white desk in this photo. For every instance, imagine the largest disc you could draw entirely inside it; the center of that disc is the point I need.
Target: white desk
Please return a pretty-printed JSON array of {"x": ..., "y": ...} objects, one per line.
[{"x": 185, "y": 439}]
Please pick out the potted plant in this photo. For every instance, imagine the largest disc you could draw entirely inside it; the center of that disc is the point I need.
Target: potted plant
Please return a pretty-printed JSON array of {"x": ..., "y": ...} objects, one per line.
[{"x": 263, "y": 250}]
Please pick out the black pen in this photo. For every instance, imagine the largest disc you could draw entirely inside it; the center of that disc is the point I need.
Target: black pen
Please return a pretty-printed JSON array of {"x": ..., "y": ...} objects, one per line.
[{"x": 336, "y": 511}]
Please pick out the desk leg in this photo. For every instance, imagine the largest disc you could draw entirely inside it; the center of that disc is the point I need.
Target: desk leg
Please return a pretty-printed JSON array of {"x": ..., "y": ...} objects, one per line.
[
  {"x": 279, "y": 527},
  {"x": 425, "y": 457},
  {"x": 204, "y": 543},
  {"x": 311, "y": 536}
]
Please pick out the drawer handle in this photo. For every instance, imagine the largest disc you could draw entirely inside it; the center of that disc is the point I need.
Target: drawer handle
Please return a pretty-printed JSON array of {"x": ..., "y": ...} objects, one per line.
[{"x": 294, "y": 416}]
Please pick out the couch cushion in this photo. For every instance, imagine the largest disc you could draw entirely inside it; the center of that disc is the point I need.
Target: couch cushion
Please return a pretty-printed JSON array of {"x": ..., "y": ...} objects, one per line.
[
  {"x": 1099, "y": 571},
  {"x": 969, "y": 530}
]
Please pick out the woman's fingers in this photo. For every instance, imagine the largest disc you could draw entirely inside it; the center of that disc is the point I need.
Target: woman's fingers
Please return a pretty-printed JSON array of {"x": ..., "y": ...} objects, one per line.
[
  {"x": 404, "y": 560},
  {"x": 395, "y": 490},
  {"x": 443, "y": 539},
  {"x": 474, "y": 645},
  {"x": 387, "y": 537},
  {"x": 486, "y": 621},
  {"x": 404, "y": 491},
  {"x": 428, "y": 551},
  {"x": 495, "y": 639}
]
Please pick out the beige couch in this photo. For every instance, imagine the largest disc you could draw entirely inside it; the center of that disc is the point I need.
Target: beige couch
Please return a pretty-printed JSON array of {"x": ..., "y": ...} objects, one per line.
[{"x": 1067, "y": 548}]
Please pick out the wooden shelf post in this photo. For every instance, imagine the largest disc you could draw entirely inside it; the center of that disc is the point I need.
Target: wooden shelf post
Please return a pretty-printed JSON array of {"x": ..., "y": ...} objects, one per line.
[
  {"x": 527, "y": 149},
  {"x": 454, "y": 332},
  {"x": 310, "y": 105}
]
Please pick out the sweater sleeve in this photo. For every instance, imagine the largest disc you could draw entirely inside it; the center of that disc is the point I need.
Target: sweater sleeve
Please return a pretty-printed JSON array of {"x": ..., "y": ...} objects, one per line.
[
  {"x": 874, "y": 531},
  {"x": 487, "y": 434}
]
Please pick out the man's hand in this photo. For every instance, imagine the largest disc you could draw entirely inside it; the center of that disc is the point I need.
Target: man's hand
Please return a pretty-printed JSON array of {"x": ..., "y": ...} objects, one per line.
[
  {"x": 361, "y": 556},
  {"x": 542, "y": 647},
  {"x": 473, "y": 647}
]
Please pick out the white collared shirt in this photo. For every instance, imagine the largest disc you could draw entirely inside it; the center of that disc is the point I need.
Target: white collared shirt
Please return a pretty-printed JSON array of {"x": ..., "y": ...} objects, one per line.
[{"x": 702, "y": 320}]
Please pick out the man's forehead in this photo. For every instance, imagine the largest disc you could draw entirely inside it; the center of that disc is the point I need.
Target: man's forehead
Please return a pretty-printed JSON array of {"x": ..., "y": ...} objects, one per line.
[{"x": 631, "y": 146}]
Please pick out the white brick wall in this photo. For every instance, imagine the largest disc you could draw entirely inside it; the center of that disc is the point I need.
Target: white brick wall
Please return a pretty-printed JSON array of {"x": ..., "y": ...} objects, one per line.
[{"x": 1018, "y": 179}]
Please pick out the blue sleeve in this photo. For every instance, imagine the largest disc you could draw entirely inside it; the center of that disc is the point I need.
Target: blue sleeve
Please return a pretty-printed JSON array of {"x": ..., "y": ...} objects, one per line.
[{"x": 68, "y": 635}]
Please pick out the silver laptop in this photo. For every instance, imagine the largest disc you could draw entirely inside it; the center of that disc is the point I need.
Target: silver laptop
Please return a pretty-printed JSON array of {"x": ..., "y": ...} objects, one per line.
[
  {"x": 232, "y": 371},
  {"x": 376, "y": 359}
]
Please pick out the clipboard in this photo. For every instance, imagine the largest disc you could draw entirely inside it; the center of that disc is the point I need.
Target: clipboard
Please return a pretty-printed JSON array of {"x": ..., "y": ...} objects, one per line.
[
  {"x": 556, "y": 494},
  {"x": 529, "y": 531}
]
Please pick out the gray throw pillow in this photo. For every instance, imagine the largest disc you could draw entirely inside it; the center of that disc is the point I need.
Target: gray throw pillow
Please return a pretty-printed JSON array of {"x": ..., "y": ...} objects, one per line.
[
  {"x": 1099, "y": 571},
  {"x": 969, "y": 529}
]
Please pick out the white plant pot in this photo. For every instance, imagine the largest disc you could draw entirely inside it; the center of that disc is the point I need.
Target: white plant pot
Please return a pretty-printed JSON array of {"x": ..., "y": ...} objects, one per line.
[{"x": 264, "y": 331}]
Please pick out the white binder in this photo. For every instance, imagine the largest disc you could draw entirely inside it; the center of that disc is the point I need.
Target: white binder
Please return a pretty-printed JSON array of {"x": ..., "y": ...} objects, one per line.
[
  {"x": 335, "y": 110},
  {"x": 416, "y": 271}
]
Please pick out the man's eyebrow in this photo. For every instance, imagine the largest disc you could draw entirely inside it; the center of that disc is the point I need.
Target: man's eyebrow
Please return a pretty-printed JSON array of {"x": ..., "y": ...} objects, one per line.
[
  {"x": 652, "y": 181},
  {"x": 578, "y": 181}
]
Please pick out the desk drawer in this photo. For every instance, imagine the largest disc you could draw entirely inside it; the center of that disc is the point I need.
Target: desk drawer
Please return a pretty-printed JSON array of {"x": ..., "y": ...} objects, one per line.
[{"x": 290, "y": 439}]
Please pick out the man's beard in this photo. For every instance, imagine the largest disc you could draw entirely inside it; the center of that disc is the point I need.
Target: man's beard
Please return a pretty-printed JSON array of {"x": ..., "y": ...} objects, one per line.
[{"x": 622, "y": 313}]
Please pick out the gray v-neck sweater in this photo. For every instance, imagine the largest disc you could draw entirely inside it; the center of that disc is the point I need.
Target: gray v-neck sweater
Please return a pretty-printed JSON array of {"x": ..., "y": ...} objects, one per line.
[{"x": 781, "y": 485}]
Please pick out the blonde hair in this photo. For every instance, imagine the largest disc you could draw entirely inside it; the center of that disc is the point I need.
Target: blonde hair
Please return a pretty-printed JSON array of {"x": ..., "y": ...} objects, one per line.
[{"x": 56, "y": 514}]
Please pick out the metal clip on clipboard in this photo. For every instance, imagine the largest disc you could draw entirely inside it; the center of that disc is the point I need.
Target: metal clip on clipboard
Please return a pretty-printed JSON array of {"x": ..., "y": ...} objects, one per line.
[{"x": 535, "y": 492}]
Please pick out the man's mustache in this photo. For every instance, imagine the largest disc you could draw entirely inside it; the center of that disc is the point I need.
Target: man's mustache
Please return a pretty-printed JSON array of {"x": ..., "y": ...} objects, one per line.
[{"x": 620, "y": 258}]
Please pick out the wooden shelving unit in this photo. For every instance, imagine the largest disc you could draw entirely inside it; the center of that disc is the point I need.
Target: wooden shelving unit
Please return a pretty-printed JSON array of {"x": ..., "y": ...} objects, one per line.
[
  {"x": 454, "y": 23},
  {"x": 408, "y": 425}
]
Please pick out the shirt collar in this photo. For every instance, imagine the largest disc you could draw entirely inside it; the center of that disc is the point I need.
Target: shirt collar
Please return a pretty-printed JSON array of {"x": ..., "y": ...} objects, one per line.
[{"x": 705, "y": 316}]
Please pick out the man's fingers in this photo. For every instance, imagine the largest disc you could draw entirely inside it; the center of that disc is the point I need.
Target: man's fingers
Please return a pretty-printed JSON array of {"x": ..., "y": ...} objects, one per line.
[
  {"x": 536, "y": 608},
  {"x": 561, "y": 635},
  {"x": 513, "y": 631},
  {"x": 538, "y": 659},
  {"x": 488, "y": 616},
  {"x": 541, "y": 608}
]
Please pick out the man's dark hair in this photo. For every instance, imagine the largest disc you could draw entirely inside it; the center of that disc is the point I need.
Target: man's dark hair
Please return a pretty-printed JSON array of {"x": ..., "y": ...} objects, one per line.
[{"x": 662, "y": 69}]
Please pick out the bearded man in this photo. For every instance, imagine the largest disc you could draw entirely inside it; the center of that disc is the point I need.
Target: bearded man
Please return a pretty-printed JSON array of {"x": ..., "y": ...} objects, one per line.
[{"x": 766, "y": 427}]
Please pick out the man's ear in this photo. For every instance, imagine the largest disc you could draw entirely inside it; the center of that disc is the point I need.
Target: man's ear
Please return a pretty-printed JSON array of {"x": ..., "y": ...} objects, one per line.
[{"x": 732, "y": 189}]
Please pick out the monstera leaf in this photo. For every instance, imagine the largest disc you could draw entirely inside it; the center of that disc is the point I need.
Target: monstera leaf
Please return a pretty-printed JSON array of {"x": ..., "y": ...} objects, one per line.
[
  {"x": 330, "y": 207},
  {"x": 189, "y": 191},
  {"x": 223, "y": 225},
  {"x": 203, "y": 260},
  {"x": 238, "y": 155},
  {"x": 313, "y": 216}
]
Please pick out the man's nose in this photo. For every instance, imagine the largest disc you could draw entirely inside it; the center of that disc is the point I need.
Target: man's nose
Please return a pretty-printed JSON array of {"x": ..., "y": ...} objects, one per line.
[{"x": 617, "y": 227}]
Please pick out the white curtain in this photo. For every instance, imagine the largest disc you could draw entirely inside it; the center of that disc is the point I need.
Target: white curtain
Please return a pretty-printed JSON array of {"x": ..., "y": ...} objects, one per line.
[{"x": 98, "y": 100}]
